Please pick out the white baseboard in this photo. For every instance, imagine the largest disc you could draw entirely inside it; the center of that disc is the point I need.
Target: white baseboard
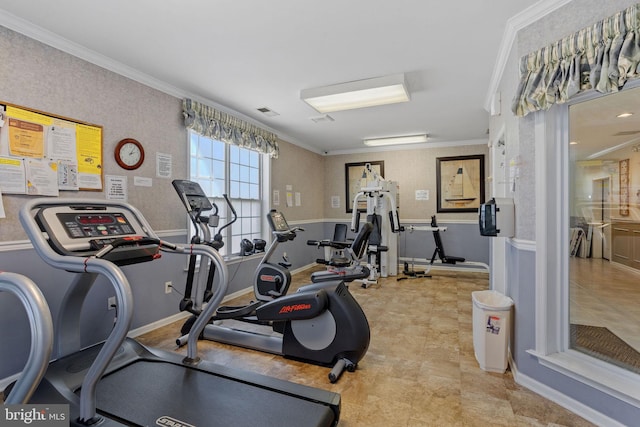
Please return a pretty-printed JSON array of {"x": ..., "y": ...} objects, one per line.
[{"x": 561, "y": 399}]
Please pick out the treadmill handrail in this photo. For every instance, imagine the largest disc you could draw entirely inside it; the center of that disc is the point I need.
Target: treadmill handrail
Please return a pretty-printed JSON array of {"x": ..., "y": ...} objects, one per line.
[
  {"x": 124, "y": 296},
  {"x": 41, "y": 335}
]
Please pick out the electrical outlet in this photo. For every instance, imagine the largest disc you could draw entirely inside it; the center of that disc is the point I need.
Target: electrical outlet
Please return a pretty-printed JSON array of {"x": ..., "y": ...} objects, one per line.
[
  {"x": 167, "y": 287},
  {"x": 111, "y": 303}
]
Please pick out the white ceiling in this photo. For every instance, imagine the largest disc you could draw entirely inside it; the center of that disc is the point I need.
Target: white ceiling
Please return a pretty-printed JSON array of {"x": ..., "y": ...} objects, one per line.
[
  {"x": 599, "y": 133},
  {"x": 243, "y": 55}
]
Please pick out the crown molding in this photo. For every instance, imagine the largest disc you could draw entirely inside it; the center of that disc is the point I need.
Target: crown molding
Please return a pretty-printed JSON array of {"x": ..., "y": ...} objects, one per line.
[{"x": 515, "y": 24}]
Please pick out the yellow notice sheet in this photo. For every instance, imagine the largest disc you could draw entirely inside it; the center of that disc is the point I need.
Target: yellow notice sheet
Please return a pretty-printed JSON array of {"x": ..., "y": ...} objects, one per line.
[
  {"x": 26, "y": 139},
  {"x": 89, "y": 152}
]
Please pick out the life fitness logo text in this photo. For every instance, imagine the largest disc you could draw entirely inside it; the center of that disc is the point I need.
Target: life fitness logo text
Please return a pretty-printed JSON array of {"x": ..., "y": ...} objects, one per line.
[
  {"x": 294, "y": 307},
  {"x": 165, "y": 421},
  {"x": 268, "y": 278}
]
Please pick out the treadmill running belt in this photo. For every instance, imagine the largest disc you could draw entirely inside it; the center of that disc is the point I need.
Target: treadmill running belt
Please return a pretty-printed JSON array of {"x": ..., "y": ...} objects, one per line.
[{"x": 157, "y": 393}]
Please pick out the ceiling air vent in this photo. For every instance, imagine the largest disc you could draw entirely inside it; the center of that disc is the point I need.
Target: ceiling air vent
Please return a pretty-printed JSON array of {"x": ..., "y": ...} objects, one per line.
[
  {"x": 322, "y": 119},
  {"x": 268, "y": 112}
]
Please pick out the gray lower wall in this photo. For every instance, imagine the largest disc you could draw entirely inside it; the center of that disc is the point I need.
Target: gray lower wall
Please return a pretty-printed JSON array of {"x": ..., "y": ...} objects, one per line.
[{"x": 521, "y": 279}]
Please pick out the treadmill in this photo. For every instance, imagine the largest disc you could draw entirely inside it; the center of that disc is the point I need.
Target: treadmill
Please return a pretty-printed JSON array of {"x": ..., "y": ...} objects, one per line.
[
  {"x": 120, "y": 381},
  {"x": 41, "y": 326}
]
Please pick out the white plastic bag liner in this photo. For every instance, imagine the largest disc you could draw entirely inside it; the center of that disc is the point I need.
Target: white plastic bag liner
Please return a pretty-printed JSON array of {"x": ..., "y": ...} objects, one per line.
[{"x": 491, "y": 329}]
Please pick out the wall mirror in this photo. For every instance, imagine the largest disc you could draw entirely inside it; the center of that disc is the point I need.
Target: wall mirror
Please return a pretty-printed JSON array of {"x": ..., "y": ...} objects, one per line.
[{"x": 604, "y": 234}]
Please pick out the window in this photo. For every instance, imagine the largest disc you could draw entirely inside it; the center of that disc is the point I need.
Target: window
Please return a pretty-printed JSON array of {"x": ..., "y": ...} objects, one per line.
[{"x": 222, "y": 168}]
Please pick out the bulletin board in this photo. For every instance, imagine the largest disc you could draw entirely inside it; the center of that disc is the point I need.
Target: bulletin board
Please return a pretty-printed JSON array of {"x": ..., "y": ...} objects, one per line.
[{"x": 43, "y": 154}]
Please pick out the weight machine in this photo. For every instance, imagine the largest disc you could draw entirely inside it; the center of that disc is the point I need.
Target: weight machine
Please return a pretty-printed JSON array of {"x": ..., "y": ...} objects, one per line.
[{"x": 382, "y": 212}]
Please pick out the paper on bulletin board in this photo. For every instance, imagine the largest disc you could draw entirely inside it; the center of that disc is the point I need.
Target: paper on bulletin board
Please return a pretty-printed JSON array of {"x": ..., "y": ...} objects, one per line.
[
  {"x": 61, "y": 142},
  {"x": 26, "y": 139},
  {"x": 89, "y": 154},
  {"x": 42, "y": 177},
  {"x": 298, "y": 198},
  {"x": 335, "y": 202},
  {"x": 68, "y": 175},
  {"x": 13, "y": 176},
  {"x": 276, "y": 197},
  {"x": 72, "y": 148},
  {"x": 289, "y": 199}
]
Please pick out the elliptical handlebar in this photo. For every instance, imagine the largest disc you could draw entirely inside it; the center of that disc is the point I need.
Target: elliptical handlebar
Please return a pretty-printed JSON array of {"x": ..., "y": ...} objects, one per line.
[{"x": 218, "y": 236}]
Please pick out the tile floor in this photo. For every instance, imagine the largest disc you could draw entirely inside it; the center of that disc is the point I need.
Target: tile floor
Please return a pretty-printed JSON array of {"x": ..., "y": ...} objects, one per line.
[
  {"x": 606, "y": 294},
  {"x": 420, "y": 369}
]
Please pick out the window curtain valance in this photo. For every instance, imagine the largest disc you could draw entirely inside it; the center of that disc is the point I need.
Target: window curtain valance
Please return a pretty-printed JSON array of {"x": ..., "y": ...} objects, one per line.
[
  {"x": 224, "y": 127},
  {"x": 601, "y": 57}
]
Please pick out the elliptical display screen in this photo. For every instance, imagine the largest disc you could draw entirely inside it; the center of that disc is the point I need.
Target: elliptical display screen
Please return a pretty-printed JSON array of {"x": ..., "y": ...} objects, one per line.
[{"x": 278, "y": 223}]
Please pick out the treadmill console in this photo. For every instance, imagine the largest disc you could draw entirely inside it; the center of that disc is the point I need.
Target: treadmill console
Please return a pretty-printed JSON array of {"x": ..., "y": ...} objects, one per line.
[{"x": 83, "y": 230}]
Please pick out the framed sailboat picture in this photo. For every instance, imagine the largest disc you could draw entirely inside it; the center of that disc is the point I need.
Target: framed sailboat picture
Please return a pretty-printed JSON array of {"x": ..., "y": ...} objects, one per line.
[{"x": 460, "y": 183}]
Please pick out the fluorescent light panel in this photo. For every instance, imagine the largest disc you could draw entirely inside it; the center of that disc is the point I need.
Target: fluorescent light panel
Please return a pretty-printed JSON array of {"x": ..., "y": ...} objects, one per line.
[
  {"x": 357, "y": 94},
  {"x": 397, "y": 140}
]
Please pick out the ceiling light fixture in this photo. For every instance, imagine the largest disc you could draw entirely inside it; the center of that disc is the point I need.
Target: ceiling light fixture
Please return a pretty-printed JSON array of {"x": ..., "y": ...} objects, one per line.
[
  {"x": 396, "y": 140},
  {"x": 358, "y": 94},
  {"x": 624, "y": 115}
]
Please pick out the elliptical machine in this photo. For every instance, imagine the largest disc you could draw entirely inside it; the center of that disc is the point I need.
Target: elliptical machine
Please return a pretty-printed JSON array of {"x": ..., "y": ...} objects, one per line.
[
  {"x": 321, "y": 323},
  {"x": 197, "y": 204},
  {"x": 270, "y": 280}
]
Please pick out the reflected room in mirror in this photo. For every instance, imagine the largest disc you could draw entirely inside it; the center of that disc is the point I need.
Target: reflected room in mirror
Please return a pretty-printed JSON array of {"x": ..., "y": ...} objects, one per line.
[{"x": 604, "y": 234}]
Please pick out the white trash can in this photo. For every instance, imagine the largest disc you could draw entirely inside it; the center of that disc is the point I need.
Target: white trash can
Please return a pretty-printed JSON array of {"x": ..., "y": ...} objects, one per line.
[{"x": 491, "y": 329}]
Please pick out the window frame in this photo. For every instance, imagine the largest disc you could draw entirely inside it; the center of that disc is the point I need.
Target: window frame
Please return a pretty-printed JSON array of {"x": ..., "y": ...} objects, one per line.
[
  {"x": 552, "y": 348},
  {"x": 231, "y": 250}
]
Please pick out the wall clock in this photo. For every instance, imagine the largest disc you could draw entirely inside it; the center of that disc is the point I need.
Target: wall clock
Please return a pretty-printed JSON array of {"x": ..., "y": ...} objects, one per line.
[{"x": 129, "y": 154}]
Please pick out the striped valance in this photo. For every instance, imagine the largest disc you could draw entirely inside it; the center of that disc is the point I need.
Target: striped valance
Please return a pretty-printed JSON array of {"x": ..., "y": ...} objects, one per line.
[
  {"x": 224, "y": 127},
  {"x": 601, "y": 57}
]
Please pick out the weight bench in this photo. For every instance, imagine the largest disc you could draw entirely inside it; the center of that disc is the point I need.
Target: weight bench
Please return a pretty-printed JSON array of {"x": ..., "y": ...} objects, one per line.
[
  {"x": 440, "y": 247},
  {"x": 409, "y": 273}
]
